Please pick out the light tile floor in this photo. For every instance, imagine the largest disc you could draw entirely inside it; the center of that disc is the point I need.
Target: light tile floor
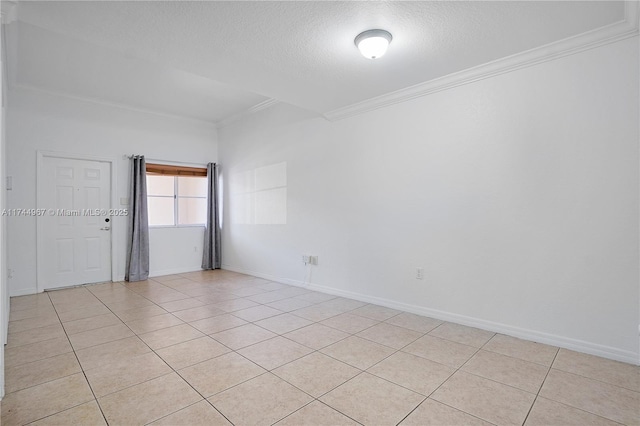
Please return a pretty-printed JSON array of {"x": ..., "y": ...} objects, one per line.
[{"x": 220, "y": 348}]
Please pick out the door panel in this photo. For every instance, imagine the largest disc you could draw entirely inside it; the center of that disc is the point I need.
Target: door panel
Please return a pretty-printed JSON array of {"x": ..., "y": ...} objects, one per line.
[
  {"x": 64, "y": 247},
  {"x": 92, "y": 202},
  {"x": 76, "y": 239},
  {"x": 94, "y": 258}
]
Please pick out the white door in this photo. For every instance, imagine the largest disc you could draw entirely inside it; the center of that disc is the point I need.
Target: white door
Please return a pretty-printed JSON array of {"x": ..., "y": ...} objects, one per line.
[{"x": 76, "y": 226}]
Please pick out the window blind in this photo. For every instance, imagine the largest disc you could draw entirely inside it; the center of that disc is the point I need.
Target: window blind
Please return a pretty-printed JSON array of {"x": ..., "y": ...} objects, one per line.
[{"x": 168, "y": 170}]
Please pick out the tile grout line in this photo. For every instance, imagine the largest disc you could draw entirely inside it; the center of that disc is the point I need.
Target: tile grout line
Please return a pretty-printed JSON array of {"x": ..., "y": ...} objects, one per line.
[
  {"x": 309, "y": 403},
  {"x": 78, "y": 359},
  {"x": 232, "y": 351},
  {"x": 79, "y": 365},
  {"x": 540, "y": 388},
  {"x": 145, "y": 343},
  {"x": 313, "y": 351},
  {"x": 277, "y": 334},
  {"x": 162, "y": 359},
  {"x": 574, "y": 407},
  {"x": 235, "y": 351},
  {"x": 445, "y": 381},
  {"x": 460, "y": 369},
  {"x": 361, "y": 371}
]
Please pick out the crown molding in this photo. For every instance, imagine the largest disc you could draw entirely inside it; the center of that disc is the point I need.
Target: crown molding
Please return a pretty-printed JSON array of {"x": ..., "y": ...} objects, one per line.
[
  {"x": 249, "y": 111},
  {"x": 234, "y": 118},
  {"x": 118, "y": 105},
  {"x": 599, "y": 37}
]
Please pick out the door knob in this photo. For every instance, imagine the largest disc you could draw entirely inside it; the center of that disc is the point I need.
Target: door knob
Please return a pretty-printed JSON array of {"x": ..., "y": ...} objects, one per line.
[{"x": 106, "y": 228}]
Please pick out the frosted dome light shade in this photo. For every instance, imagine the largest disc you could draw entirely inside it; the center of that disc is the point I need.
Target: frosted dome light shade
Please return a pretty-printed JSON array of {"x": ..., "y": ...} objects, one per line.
[{"x": 373, "y": 43}]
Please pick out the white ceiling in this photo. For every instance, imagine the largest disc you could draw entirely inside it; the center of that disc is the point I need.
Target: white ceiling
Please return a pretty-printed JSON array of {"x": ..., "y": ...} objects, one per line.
[{"x": 213, "y": 60}]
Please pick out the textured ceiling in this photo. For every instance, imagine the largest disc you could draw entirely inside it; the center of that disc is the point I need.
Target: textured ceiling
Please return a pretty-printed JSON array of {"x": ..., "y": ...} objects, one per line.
[{"x": 211, "y": 60}]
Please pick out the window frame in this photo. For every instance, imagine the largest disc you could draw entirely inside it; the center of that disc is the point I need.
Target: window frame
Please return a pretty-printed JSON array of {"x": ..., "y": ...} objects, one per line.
[{"x": 175, "y": 172}]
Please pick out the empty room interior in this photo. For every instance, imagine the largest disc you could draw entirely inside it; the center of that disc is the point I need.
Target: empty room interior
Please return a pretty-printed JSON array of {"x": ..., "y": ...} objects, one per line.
[{"x": 320, "y": 213}]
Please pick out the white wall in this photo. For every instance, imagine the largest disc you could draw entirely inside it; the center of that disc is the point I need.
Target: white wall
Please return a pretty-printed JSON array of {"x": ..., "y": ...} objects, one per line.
[
  {"x": 518, "y": 194},
  {"x": 175, "y": 250},
  {"x": 39, "y": 121},
  {"x": 4, "y": 294}
]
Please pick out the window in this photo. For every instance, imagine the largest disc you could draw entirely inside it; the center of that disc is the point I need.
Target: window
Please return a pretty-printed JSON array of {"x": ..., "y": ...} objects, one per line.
[{"x": 176, "y": 196}]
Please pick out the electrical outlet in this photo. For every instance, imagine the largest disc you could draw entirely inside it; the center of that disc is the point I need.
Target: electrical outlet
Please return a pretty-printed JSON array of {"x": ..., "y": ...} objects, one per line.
[
  {"x": 419, "y": 273},
  {"x": 9, "y": 273},
  {"x": 306, "y": 259},
  {"x": 313, "y": 260}
]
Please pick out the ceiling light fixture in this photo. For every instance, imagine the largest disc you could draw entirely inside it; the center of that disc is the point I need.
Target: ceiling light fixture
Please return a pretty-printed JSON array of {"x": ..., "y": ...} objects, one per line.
[{"x": 373, "y": 43}]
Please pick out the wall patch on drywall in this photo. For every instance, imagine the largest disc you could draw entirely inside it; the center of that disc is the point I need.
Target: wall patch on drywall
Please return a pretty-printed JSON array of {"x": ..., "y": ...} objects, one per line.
[{"x": 259, "y": 196}]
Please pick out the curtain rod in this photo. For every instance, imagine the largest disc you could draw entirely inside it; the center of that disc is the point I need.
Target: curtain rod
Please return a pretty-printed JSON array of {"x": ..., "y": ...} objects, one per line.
[{"x": 168, "y": 162}]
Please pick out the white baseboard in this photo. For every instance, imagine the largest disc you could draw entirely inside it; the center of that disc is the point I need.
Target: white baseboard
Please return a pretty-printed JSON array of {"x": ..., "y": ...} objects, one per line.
[
  {"x": 23, "y": 291},
  {"x": 522, "y": 333},
  {"x": 34, "y": 290},
  {"x": 165, "y": 272},
  {"x": 173, "y": 271}
]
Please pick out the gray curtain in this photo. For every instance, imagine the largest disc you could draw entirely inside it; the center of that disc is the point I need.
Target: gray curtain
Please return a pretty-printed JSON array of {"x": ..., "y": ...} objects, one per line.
[
  {"x": 211, "y": 256},
  {"x": 138, "y": 237}
]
